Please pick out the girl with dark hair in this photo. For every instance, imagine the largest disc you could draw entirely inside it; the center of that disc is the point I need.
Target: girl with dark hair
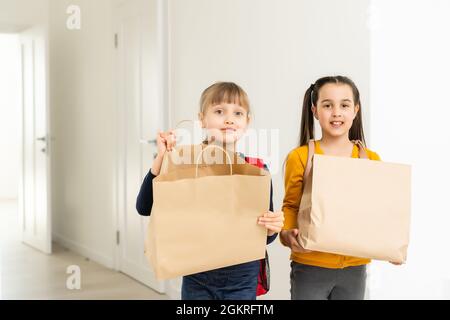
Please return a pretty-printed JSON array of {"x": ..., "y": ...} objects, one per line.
[{"x": 335, "y": 103}]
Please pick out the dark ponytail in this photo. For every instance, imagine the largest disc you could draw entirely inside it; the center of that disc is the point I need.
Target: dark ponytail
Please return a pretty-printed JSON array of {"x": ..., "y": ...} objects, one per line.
[
  {"x": 310, "y": 99},
  {"x": 307, "y": 124}
]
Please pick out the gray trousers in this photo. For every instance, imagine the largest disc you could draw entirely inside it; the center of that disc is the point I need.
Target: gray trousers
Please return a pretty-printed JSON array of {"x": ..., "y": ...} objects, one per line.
[{"x": 317, "y": 283}]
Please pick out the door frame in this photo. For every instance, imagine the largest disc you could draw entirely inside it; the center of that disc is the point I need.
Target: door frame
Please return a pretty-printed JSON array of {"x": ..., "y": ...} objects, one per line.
[{"x": 162, "y": 74}]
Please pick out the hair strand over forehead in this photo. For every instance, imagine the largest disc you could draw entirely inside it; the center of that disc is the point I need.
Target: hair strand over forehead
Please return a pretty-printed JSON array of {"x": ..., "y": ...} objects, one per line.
[{"x": 224, "y": 92}]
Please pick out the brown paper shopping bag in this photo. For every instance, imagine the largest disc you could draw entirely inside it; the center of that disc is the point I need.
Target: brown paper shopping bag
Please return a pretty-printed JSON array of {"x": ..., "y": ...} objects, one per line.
[
  {"x": 204, "y": 217},
  {"x": 355, "y": 207}
]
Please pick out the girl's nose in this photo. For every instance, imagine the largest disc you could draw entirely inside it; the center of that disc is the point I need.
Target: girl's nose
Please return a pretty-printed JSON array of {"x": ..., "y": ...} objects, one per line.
[
  {"x": 229, "y": 121},
  {"x": 336, "y": 113}
]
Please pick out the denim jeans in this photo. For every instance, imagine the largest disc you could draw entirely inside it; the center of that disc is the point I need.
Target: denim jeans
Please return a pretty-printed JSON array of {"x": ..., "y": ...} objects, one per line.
[
  {"x": 317, "y": 283},
  {"x": 236, "y": 282}
]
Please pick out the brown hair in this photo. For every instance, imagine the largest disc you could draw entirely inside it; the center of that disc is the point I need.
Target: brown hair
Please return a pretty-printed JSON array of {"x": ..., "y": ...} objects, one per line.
[
  {"x": 312, "y": 95},
  {"x": 224, "y": 92}
]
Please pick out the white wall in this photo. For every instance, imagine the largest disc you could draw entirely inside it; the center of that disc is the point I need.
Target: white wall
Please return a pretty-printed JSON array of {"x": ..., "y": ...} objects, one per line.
[
  {"x": 83, "y": 129},
  {"x": 274, "y": 49},
  {"x": 15, "y": 16},
  {"x": 410, "y": 116},
  {"x": 10, "y": 112}
]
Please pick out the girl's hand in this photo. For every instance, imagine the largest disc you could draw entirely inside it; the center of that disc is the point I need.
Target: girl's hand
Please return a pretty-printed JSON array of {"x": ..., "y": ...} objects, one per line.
[
  {"x": 273, "y": 221},
  {"x": 165, "y": 141},
  {"x": 289, "y": 239},
  {"x": 396, "y": 263}
]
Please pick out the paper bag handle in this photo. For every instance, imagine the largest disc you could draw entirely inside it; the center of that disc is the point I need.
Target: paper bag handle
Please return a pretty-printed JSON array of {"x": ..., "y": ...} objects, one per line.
[
  {"x": 311, "y": 151},
  {"x": 312, "y": 147},
  {"x": 164, "y": 164},
  {"x": 180, "y": 122},
  {"x": 362, "y": 151},
  {"x": 210, "y": 147}
]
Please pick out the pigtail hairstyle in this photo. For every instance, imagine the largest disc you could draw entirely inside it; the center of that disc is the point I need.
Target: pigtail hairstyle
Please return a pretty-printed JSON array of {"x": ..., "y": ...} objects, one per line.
[{"x": 311, "y": 97}]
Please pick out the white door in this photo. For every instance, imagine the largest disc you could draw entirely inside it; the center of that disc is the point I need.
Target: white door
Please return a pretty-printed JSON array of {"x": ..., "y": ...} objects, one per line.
[
  {"x": 140, "y": 116},
  {"x": 34, "y": 193}
]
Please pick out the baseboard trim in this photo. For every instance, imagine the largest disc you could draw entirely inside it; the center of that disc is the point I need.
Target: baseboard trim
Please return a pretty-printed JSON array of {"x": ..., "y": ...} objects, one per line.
[{"x": 84, "y": 251}]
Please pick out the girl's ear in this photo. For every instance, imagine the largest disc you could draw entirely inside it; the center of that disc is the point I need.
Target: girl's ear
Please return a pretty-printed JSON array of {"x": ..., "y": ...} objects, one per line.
[
  {"x": 314, "y": 111},
  {"x": 356, "y": 110}
]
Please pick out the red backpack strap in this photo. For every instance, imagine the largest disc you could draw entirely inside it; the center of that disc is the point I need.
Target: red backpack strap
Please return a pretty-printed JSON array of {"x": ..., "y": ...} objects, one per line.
[{"x": 256, "y": 162}]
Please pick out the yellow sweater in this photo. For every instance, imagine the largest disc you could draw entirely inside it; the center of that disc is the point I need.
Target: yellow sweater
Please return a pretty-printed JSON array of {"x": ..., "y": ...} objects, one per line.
[{"x": 293, "y": 182}]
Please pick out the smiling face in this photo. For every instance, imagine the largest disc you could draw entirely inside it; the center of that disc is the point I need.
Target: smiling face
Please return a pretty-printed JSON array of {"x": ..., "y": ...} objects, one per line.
[
  {"x": 224, "y": 112},
  {"x": 335, "y": 109},
  {"x": 225, "y": 122}
]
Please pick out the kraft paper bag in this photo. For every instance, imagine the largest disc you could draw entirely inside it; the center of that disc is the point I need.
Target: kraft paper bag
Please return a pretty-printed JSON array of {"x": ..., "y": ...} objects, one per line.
[
  {"x": 204, "y": 216},
  {"x": 355, "y": 207}
]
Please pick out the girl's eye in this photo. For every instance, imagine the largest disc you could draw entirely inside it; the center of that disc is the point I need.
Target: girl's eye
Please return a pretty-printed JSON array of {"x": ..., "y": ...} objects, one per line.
[
  {"x": 345, "y": 106},
  {"x": 219, "y": 111},
  {"x": 326, "y": 105},
  {"x": 239, "y": 113}
]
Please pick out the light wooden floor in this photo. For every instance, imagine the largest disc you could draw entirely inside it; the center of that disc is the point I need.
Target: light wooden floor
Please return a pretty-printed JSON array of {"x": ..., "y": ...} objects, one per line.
[{"x": 28, "y": 274}]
